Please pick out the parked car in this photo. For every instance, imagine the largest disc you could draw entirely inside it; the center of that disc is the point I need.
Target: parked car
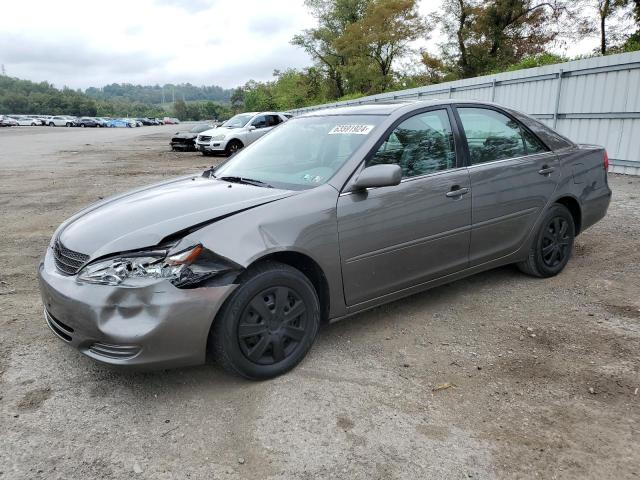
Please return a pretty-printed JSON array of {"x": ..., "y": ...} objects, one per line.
[
  {"x": 120, "y": 123},
  {"x": 145, "y": 121},
  {"x": 6, "y": 121},
  {"x": 238, "y": 132},
  {"x": 23, "y": 120},
  {"x": 101, "y": 121},
  {"x": 39, "y": 120},
  {"x": 186, "y": 140},
  {"x": 87, "y": 122},
  {"x": 334, "y": 212},
  {"x": 61, "y": 121},
  {"x": 170, "y": 121}
]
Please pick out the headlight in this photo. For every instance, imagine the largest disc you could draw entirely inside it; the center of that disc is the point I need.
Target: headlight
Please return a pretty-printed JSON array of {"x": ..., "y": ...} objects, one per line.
[
  {"x": 218, "y": 137},
  {"x": 133, "y": 269}
]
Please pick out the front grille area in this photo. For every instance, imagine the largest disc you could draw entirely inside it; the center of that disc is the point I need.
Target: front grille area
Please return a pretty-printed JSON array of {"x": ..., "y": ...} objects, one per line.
[
  {"x": 204, "y": 138},
  {"x": 68, "y": 261},
  {"x": 114, "y": 351},
  {"x": 60, "y": 329}
]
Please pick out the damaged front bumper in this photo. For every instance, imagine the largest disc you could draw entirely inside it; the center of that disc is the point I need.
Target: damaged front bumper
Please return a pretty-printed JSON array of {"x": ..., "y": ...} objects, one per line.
[{"x": 157, "y": 325}]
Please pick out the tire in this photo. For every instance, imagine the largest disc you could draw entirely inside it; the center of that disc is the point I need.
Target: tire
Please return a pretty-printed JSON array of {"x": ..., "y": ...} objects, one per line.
[
  {"x": 68, "y": 124},
  {"x": 553, "y": 244},
  {"x": 51, "y": 124},
  {"x": 252, "y": 336},
  {"x": 232, "y": 147},
  {"x": 82, "y": 125}
]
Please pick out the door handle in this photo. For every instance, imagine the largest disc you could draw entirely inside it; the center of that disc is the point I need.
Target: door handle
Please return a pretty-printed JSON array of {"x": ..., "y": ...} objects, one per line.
[
  {"x": 546, "y": 170},
  {"x": 456, "y": 192}
]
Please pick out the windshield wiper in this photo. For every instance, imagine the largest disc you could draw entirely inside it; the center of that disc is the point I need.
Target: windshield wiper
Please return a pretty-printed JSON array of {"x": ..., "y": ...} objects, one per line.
[{"x": 246, "y": 181}]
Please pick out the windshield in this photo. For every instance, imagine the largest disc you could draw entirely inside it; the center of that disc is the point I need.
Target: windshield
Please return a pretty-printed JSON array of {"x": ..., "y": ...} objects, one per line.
[
  {"x": 238, "y": 121},
  {"x": 301, "y": 153}
]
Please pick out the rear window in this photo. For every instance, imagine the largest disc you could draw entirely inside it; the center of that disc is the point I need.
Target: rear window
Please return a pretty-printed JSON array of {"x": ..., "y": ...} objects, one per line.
[{"x": 550, "y": 137}]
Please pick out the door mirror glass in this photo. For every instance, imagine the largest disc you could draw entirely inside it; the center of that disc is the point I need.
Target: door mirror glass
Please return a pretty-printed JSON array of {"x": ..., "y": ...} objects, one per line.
[
  {"x": 378, "y": 176},
  {"x": 251, "y": 127}
]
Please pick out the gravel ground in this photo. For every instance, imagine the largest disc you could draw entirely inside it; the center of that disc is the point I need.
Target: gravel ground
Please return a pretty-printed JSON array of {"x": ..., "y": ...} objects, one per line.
[{"x": 542, "y": 375}]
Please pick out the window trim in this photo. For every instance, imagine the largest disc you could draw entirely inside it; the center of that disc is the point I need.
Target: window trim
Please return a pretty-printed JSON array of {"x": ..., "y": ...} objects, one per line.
[
  {"x": 465, "y": 143},
  {"x": 458, "y": 145}
]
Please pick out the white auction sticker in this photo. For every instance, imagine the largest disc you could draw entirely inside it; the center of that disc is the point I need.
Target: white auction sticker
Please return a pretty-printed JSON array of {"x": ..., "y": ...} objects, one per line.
[{"x": 351, "y": 129}]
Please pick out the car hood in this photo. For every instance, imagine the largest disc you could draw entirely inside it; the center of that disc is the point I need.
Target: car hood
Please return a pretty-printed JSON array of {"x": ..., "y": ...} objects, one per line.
[
  {"x": 143, "y": 218},
  {"x": 218, "y": 130},
  {"x": 186, "y": 135}
]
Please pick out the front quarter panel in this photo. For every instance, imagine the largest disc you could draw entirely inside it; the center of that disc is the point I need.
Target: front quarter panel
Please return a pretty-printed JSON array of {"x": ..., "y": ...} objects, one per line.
[{"x": 305, "y": 223}]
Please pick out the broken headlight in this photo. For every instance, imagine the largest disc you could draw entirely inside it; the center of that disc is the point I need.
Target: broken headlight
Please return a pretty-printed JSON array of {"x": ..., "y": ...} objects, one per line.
[{"x": 185, "y": 268}]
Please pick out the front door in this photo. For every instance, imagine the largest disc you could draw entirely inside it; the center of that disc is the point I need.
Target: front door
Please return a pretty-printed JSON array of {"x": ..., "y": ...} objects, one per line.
[
  {"x": 513, "y": 175},
  {"x": 392, "y": 238}
]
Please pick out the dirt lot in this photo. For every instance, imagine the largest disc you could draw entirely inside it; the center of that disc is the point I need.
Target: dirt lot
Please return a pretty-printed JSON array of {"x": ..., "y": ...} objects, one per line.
[{"x": 544, "y": 374}]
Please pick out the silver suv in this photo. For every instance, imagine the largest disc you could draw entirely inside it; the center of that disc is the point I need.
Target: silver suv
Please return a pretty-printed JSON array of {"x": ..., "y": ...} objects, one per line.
[{"x": 238, "y": 132}]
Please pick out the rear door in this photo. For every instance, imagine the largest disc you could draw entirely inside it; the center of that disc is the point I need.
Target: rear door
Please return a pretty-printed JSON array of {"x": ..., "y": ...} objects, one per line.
[
  {"x": 513, "y": 175},
  {"x": 392, "y": 238}
]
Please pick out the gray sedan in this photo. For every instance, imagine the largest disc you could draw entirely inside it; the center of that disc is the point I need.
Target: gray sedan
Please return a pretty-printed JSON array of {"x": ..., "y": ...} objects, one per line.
[{"x": 332, "y": 213}]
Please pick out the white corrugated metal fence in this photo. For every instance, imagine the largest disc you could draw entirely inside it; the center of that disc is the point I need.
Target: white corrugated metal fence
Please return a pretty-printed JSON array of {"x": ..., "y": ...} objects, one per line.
[{"x": 595, "y": 100}]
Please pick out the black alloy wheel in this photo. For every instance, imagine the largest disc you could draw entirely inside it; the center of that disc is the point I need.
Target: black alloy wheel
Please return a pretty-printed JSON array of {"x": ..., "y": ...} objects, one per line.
[
  {"x": 552, "y": 246},
  {"x": 272, "y": 325},
  {"x": 268, "y": 323},
  {"x": 555, "y": 242},
  {"x": 232, "y": 147}
]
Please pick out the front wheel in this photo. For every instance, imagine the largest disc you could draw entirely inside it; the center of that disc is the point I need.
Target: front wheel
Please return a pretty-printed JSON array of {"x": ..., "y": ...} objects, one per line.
[
  {"x": 268, "y": 324},
  {"x": 232, "y": 147},
  {"x": 51, "y": 124},
  {"x": 553, "y": 244}
]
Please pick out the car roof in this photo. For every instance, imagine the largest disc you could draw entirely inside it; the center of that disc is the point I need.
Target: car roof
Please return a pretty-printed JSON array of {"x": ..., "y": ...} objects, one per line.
[{"x": 387, "y": 108}]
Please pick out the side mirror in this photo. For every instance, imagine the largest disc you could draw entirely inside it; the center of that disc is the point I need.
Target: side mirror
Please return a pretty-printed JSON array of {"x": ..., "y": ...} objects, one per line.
[
  {"x": 378, "y": 176},
  {"x": 252, "y": 128}
]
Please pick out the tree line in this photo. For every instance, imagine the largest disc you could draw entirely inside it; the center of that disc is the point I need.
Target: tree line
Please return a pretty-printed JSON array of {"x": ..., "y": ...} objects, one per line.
[
  {"x": 160, "y": 94},
  {"x": 365, "y": 47},
  {"x": 26, "y": 97}
]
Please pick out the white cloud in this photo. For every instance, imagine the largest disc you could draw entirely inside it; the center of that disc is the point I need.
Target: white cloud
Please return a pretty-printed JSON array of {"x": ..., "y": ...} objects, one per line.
[{"x": 82, "y": 43}]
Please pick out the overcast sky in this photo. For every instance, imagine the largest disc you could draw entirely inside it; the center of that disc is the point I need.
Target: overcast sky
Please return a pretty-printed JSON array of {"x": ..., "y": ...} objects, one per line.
[{"x": 204, "y": 42}]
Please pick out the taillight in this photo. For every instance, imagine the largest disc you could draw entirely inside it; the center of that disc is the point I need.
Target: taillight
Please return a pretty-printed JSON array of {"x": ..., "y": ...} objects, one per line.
[{"x": 606, "y": 161}]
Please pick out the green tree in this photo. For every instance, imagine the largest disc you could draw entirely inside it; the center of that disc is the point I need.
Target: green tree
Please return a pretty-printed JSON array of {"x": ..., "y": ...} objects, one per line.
[
  {"x": 333, "y": 16},
  {"x": 375, "y": 41},
  {"x": 180, "y": 109}
]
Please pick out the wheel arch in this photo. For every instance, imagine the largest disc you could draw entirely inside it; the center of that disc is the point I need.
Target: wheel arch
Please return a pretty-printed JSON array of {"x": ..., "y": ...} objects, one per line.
[
  {"x": 574, "y": 208},
  {"x": 309, "y": 268}
]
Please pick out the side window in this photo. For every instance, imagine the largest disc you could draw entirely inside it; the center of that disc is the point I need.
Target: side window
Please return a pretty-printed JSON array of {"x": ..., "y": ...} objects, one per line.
[
  {"x": 421, "y": 144},
  {"x": 532, "y": 144},
  {"x": 493, "y": 136},
  {"x": 260, "y": 122},
  {"x": 273, "y": 120}
]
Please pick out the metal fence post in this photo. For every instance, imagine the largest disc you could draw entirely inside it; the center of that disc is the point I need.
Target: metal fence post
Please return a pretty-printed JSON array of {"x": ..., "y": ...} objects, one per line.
[
  {"x": 493, "y": 90},
  {"x": 558, "y": 93}
]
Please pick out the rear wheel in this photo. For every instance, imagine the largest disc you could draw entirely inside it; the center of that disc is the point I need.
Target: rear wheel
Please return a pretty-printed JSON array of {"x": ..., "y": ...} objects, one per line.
[
  {"x": 552, "y": 245},
  {"x": 232, "y": 147},
  {"x": 268, "y": 324}
]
